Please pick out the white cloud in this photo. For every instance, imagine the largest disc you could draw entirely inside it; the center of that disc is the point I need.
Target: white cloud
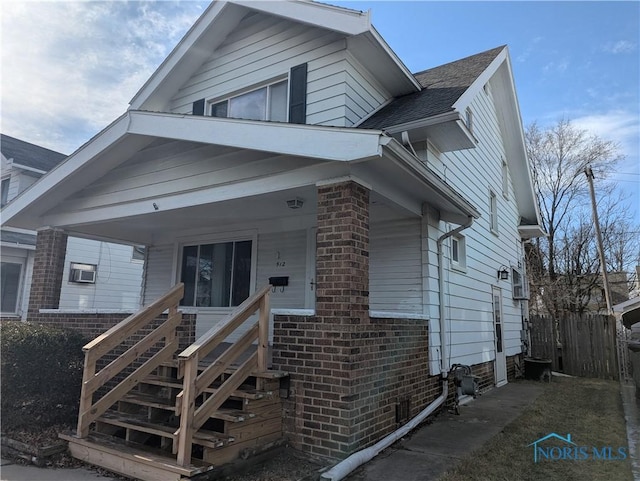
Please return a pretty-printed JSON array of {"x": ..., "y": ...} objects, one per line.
[
  {"x": 529, "y": 50},
  {"x": 70, "y": 68},
  {"x": 620, "y": 126},
  {"x": 621, "y": 46},
  {"x": 560, "y": 67}
]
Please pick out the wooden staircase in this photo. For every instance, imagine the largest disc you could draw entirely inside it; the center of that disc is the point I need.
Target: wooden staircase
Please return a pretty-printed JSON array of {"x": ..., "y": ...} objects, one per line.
[{"x": 176, "y": 417}]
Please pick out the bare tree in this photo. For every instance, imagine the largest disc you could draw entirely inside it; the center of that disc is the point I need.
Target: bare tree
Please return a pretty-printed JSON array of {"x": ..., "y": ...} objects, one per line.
[{"x": 563, "y": 267}]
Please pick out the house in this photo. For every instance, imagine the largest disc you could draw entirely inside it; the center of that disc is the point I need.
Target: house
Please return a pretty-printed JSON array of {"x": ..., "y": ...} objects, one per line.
[
  {"x": 111, "y": 274},
  {"x": 286, "y": 143}
]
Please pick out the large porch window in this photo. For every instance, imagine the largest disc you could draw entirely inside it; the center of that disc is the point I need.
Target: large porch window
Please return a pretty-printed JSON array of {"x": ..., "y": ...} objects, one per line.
[{"x": 216, "y": 275}]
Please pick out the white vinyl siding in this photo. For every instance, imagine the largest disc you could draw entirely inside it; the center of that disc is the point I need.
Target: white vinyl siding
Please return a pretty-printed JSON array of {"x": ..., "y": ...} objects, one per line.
[
  {"x": 395, "y": 274},
  {"x": 468, "y": 294},
  {"x": 264, "y": 48},
  {"x": 169, "y": 167},
  {"x": 284, "y": 254},
  {"x": 118, "y": 280},
  {"x": 158, "y": 272}
]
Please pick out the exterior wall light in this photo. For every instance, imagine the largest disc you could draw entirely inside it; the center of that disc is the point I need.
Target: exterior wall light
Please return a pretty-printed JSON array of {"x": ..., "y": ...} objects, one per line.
[
  {"x": 503, "y": 273},
  {"x": 296, "y": 203}
]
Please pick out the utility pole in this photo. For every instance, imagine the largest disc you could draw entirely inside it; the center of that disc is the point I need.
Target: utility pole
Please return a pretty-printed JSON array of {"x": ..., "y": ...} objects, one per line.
[{"x": 603, "y": 265}]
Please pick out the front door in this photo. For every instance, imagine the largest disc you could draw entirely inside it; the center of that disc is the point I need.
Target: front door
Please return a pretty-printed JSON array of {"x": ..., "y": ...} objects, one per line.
[{"x": 501, "y": 359}]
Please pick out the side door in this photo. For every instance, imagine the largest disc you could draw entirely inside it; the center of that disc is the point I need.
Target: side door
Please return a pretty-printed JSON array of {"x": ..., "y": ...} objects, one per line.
[{"x": 500, "y": 368}]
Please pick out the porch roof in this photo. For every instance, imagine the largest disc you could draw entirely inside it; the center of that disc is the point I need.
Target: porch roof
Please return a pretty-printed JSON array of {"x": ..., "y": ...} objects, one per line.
[{"x": 264, "y": 163}]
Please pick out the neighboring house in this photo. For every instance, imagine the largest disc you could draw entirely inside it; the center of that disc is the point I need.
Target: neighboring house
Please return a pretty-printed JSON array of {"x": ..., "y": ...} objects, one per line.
[
  {"x": 111, "y": 274},
  {"x": 286, "y": 139}
]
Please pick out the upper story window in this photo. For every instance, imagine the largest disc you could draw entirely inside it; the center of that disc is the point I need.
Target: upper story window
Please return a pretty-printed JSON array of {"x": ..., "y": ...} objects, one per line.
[
  {"x": 216, "y": 275},
  {"x": 458, "y": 252},
  {"x": 493, "y": 212},
  {"x": 138, "y": 253},
  {"x": 519, "y": 284},
  {"x": 5, "y": 190},
  {"x": 469, "y": 119},
  {"x": 284, "y": 100},
  {"x": 266, "y": 103},
  {"x": 505, "y": 179}
]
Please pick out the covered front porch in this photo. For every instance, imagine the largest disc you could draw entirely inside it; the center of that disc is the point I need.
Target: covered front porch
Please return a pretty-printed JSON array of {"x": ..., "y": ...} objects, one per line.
[
  {"x": 338, "y": 220},
  {"x": 224, "y": 205}
]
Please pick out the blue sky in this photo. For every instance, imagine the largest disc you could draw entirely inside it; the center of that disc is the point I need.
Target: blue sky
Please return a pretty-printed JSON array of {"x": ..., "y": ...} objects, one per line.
[{"x": 70, "y": 68}]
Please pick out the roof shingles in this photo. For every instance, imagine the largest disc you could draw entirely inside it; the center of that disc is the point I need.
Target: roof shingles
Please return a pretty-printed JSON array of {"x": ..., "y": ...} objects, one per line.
[
  {"x": 441, "y": 87},
  {"x": 29, "y": 155}
]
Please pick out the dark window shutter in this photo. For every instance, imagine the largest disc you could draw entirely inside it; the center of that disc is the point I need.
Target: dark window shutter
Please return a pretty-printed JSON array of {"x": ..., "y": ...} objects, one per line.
[
  {"x": 298, "y": 94},
  {"x": 198, "y": 107}
]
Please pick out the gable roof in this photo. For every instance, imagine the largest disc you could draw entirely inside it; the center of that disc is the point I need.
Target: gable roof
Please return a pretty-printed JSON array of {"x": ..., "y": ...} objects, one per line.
[
  {"x": 29, "y": 155},
  {"x": 221, "y": 17},
  {"x": 441, "y": 87}
]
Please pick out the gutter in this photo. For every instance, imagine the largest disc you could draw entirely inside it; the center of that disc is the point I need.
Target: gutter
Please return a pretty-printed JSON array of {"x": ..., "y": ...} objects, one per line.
[{"x": 357, "y": 459}]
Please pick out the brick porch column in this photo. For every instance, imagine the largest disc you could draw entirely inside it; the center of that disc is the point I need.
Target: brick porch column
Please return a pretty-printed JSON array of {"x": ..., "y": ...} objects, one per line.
[
  {"x": 342, "y": 254},
  {"x": 48, "y": 266},
  {"x": 326, "y": 354}
]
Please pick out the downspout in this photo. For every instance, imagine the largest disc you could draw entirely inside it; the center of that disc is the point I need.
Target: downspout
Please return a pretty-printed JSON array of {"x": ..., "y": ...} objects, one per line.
[
  {"x": 444, "y": 354},
  {"x": 357, "y": 459}
]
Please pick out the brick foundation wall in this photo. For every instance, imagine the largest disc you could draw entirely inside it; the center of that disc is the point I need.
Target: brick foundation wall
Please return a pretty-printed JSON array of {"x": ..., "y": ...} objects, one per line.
[
  {"x": 48, "y": 266},
  {"x": 324, "y": 414},
  {"x": 486, "y": 374},
  {"x": 515, "y": 366}
]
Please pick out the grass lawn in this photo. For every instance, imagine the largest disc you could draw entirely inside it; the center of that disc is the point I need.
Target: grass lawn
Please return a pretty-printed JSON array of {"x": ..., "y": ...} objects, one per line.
[{"x": 588, "y": 409}]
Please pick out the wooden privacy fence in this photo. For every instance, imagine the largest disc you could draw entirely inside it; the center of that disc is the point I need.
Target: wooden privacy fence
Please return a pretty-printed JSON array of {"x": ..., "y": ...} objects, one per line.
[{"x": 577, "y": 344}]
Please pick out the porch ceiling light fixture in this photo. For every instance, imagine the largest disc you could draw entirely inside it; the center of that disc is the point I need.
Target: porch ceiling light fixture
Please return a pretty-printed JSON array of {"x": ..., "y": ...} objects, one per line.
[
  {"x": 503, "y": 273},
  {"x": 296, "y": 203}
]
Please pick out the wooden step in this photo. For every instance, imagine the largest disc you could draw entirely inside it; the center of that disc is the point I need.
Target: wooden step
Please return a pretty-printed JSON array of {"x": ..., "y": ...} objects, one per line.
[
  {"x": 202, "y": 365},
  {"x": 131, "y": 460},
  {"x": 248, "y": 393},
  {"x": 208, "y": 439},
  {"x": 150, "y": 400}
]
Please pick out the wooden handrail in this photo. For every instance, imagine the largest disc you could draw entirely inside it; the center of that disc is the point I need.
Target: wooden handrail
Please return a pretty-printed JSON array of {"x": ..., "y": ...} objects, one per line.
[
  {"x": 192, "y": 419},
  {"x": 89, "y": 411}
]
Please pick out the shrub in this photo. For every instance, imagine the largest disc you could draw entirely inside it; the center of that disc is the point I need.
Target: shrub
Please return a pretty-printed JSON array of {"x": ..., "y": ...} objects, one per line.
[{"x": 41, "y": 374}]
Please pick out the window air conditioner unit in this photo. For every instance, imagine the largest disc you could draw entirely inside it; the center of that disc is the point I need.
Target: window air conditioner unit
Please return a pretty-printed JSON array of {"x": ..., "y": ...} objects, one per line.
[{"x": 83, "y": 276}]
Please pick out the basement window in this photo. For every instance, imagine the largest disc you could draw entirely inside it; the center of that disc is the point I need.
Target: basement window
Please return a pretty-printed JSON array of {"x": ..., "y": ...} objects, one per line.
[{"x": 82, "y": 273}]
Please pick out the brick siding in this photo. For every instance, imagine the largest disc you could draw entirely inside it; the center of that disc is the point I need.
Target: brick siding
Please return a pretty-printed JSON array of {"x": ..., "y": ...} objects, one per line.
[{"x": 345, "y": 383}]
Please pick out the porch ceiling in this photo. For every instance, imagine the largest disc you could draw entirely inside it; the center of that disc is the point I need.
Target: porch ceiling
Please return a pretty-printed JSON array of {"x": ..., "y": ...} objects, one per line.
[
  {"x": 149, "y": 177},
  {"x": 267, "y": 211}
]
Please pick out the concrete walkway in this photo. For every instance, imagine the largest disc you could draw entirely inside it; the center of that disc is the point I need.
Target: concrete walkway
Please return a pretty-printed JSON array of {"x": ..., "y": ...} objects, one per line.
[
  {"x": 428, "y": 452},
  {"x": 9, "y": 471}
]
